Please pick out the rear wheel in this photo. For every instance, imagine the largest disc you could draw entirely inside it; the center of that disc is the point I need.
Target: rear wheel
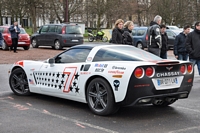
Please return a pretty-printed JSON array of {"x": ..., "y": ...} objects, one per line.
[
  {"x": 57, "y": 45},
  {"x": 100, "y": 97},
  {"x": 90, "y": 39},
  {"x": 26, "y": 47},
  {"x": 34, "y": 43},
  {"x": 105, "y": 39},
  {"x": 139, "y": 45},
  {"x": 19, "y": 83},
  {"x": 4, "y": 46}
]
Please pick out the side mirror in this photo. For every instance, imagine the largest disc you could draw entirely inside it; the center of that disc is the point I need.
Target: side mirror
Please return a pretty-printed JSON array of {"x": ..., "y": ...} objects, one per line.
[{"x": 51, "y": 61}]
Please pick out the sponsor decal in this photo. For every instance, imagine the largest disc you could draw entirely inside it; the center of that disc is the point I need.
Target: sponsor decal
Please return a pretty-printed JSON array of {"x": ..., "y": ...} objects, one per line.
[
  {"x": 167, "y": 74},
  {"x": 142, "y": 85},
  {"x": 101, "y": 65},
  {"x": 120, "y": 68},
  {"x": 99, "y": 70},
  {"x": 116, "y": 72},
  {"x": 116, "y": 84},
  {"x": 85, "y": 73},
  {"x": 31, "y": 81},
  {"x": 117, "y": 76}
]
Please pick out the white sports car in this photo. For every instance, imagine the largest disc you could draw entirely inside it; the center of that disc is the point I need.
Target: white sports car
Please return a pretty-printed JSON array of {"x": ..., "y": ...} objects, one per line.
[{"x": 105, "y": 77}]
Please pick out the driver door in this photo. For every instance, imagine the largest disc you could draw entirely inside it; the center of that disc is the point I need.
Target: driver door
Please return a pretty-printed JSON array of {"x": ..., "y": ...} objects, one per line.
[{"x": 63, "y": 76}]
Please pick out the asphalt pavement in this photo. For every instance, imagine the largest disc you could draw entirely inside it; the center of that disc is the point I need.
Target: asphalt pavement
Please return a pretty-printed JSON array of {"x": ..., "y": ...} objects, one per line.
[{"x": 45, "y": 114}]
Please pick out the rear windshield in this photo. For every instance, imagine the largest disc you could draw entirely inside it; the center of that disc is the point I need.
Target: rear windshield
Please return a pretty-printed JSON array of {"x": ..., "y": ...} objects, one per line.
[
  {"x": 22, "y": 31},
  {"x": 73, "y": 29}
]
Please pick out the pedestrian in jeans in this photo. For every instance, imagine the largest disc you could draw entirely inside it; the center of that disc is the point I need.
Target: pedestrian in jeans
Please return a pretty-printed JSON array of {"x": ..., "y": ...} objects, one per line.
[
  {"x": 154, "y": 43},
  {"x": 14, "y": 30},
  {"x": 180, "y": 51},
  {"x": 164, "y": 39},
  {"x": 193, "y": 45}
]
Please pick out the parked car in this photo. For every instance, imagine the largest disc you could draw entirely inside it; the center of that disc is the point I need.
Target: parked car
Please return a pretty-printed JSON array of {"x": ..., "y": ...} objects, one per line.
[
  {"x": 24, "y": 38},
  {"x": 105, "y": 77},
  {"x": 172, "y": 36},
  {"x": 140, "y": 37},
  {"x": 57, "y": 36}
]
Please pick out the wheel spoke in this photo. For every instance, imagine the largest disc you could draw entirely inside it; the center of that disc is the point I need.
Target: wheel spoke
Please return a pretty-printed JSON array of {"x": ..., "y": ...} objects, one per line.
[
  {"x": 16, "y": 77},
  {"x": 103, "y": 93},
  {"x": 97, "y": 87},
  {"x": 92, "y": 94},
  {"x": 23, "y": 75},
  {"x": 16, "y": 85},
  {"x": 96, "y": 104},
  {"x": 22, "y": 88},
  {"x": 103, "y": 104}
]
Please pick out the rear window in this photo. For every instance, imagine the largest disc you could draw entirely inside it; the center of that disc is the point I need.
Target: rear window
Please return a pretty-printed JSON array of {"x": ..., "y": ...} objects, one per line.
[
  {"x": 22, "y": 31},
  {"x": 141, "y": 32},
  {"x": 73, "y": 29}
]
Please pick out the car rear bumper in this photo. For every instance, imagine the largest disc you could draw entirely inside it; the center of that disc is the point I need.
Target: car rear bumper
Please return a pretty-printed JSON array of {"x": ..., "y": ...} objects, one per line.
[
  {"x": 144, "y": 92},
  {"x": 71, "y": 42},
  {"x": 21, "y": 43}
]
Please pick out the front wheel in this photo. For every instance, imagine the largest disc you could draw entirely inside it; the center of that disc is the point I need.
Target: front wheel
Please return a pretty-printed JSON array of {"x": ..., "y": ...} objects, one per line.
[
  {"x": 19, "y": 83},
  {"x": 105, "y": 39},
  {"x": 100, "y": 98},
  {"x": 34, "y": 43},
  {"x": 4, "y": 46},
  {"x": 90, "y": 39}
]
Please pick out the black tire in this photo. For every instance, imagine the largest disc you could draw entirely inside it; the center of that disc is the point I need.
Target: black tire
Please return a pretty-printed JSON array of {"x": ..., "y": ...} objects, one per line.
[
  {"x": 4, "y": 46},
  {"x": 105, "y": 39},
  {"x": 100, "y": 97},
  {"x": 57, "y": 45},
  {"x": 90, "y": 39},
  {"x": 34, "y": 43},
  {"x": 19, "y": 83},
  {"x": 26, "y": 47},
  {"x": 140, "y": 45}
]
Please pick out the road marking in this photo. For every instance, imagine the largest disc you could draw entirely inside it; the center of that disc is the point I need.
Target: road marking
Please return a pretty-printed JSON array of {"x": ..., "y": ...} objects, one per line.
[
  {"x": 62, "y": 117},
  {"x": 184, "y": 129}
]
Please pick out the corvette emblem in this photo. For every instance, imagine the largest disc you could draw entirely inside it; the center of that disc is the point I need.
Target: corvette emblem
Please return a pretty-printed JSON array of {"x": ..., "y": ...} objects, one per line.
[{"x": 169, "y": 68}]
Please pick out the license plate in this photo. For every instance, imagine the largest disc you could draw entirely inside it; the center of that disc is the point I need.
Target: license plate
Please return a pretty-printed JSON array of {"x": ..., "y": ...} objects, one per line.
[
  {"x": 167, "y": 81},
  {"x": 21, "y": 42},
  {"x": 74, "y": 40}
]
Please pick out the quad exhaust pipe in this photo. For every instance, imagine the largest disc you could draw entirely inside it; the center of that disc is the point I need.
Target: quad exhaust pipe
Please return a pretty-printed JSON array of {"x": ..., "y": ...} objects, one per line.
[{"x": 161, "y": 101}]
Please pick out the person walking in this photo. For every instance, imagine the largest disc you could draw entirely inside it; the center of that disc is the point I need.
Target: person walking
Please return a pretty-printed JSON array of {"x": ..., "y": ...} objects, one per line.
[
  {"x": 193, "y": 46},
  {"x": 14, "y": 30},
  {"x": 164, "y": 38},
  {"x": 117, "y": 32},
  {"x": 180, "y": 51},
  {"x": 127, "y": 35},
  {"x": 154, "y": 43}
]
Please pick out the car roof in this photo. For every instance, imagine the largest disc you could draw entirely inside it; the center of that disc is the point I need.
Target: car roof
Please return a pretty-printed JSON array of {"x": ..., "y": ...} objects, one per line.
[
  {"x": 89, "y": 45},
  {"x": 61, "y": 24},
  {"x": 140, "y": 27}
]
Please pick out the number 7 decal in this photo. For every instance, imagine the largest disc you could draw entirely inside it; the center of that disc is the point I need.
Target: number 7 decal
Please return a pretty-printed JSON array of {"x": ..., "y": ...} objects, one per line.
[{"x": 70, "y": 71}]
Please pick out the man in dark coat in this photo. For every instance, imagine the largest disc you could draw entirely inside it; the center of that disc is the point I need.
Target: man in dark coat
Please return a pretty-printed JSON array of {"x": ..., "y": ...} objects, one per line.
[
  {"x": 193, "y": 45},
  {"x": 14, "y": 30},
  {"x": 154, "y": 43},
  {"x": 180, "y": 51},
  {"x": 164, "y": 38}
]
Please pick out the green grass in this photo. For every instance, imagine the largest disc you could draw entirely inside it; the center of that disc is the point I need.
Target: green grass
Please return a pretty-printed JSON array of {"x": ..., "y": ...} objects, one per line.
[{"x": 28, "y": 31}]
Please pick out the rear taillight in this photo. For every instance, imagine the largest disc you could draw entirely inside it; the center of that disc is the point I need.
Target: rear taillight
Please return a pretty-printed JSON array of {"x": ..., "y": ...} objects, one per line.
[
  {"x": 183, "y": 69},
  {"x": 63, "y": 30},
  {"x": 139, "y": 72},
  {"x": 189, "y": 68},
  {"x": 149, "y": 72},
  {"x": 146, "y": 37}
]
